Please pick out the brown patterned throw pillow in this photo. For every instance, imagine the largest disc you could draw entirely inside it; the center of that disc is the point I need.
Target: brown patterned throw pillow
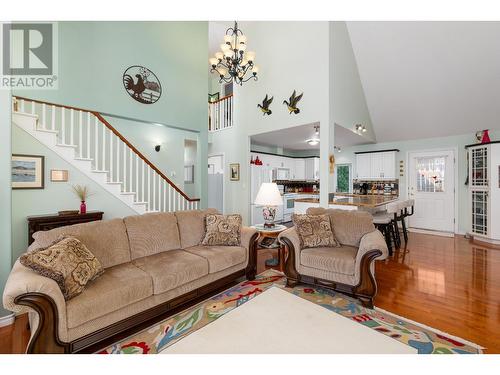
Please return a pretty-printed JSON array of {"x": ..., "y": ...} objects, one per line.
[
  {"x": 68, "y": 262},
  {"x": 222, "y": 230},
  {"x": 314, "y": 231}
]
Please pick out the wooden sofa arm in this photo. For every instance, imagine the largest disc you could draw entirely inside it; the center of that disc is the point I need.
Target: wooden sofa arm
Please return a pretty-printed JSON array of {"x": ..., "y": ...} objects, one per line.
[
  {"x": 291, "y": 240},
  {"x": 27, "y": 291},
  {"x": 249, "y": 237}
]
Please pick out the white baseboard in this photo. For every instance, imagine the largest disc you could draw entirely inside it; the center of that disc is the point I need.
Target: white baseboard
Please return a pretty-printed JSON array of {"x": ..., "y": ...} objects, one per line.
[
  {"x": 432, "y": 232},
  {"x": 7, "y": 320}
]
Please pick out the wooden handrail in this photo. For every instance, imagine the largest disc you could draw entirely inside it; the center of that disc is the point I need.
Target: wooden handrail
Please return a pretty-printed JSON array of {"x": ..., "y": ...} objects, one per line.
[
  {"x": 123, "y": 139},
  {"x": 221, "y": 99}
]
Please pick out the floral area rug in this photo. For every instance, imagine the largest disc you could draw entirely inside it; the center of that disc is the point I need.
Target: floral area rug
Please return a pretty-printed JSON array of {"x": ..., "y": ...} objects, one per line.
[{"x": 156, "y": 338}]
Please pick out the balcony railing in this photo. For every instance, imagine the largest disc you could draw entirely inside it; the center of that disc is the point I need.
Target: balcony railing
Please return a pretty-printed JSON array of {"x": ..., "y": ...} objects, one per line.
[{"x": 220, "y": 114}]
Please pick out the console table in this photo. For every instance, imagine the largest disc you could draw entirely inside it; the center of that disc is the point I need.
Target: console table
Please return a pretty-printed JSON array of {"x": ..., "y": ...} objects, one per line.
[{"x": 51, "y": 221}]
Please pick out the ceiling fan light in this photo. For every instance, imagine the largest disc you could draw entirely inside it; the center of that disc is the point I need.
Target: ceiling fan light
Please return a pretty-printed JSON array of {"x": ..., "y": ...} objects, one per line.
[{"x": 312, "y": 141}]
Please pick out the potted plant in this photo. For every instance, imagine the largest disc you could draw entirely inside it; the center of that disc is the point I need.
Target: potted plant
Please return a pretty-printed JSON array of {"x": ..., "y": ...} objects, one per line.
[{"x": 83, "y": 193}]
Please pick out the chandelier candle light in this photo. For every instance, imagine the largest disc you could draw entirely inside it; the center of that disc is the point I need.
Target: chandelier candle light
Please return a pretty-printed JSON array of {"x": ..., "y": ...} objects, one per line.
[
  {"x": 269, "y": 196},
  {"x": 233, "y": 62}
]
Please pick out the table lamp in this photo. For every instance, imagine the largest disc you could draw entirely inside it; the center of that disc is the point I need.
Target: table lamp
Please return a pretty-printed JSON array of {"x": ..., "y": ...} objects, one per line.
[{"x": 269, "y": 196}]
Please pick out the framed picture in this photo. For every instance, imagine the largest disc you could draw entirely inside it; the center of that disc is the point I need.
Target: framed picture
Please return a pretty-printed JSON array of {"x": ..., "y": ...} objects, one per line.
[
  {"x": 234, "y": 172},
  {"x": 213, "y": 97},
  {"x": 28, "y": 171}
]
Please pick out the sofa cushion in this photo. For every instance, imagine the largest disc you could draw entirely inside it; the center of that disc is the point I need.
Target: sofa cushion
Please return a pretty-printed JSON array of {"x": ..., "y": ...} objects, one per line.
[
  {"x": 107, "y": 240},
  {"x": 333, "y": 259},
  {"x": 152, "y": 233},
  {"x": 192, "y": 226},
  {"x": 314, "y": 231},
  {"x": 68, "y": 262},
  {"x": 172, "y": 269},
  {"x": 222, "y": 230},
  {"x": 220, "y": 257},
  {"x": 349, "y": 226},
  {"x": 118, "y": 287}
]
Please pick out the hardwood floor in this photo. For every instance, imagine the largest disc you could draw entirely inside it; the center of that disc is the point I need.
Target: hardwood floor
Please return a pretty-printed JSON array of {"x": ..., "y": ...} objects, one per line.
[{"x": 450, "y": 284}]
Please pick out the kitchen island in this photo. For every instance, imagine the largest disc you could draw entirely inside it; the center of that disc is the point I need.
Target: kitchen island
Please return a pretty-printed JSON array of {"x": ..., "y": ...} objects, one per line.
[{"x": 347, "y": 202}]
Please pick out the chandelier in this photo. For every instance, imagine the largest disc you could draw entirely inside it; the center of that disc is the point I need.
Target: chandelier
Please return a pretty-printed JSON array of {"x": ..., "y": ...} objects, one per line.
[{"x": 233, "y": 62}]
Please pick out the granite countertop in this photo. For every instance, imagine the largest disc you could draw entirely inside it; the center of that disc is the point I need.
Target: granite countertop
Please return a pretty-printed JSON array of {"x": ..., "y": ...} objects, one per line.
[{"x": 355, "y": 200}]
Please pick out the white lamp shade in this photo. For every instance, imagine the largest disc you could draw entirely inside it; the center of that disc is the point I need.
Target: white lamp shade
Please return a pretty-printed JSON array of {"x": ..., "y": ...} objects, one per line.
[{"x": 269, "y": 195}]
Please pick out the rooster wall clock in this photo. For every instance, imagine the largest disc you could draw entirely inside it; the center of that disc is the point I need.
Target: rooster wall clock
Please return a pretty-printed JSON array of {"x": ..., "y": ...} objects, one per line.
[
  {"x": 292, "y": 102},
  {"x": 142, "y": 84}
]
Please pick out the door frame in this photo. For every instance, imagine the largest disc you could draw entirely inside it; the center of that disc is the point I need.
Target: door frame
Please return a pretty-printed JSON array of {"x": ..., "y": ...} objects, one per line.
[
  {"x": 223, "y": 155},
  {"x": 453, "y": 149}
]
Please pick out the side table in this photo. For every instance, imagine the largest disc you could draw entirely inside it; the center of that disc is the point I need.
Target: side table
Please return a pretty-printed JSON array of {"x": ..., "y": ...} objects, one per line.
[{"x": 268, "y": 239}]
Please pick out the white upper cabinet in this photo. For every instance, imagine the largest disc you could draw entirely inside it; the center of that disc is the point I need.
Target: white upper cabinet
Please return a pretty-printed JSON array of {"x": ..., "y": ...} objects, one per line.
[
  {"x": 376, "y": 166},
  {"x": 300, "y": 169}
]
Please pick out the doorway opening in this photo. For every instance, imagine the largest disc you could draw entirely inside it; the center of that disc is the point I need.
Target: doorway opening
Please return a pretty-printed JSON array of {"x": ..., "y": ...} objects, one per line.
[{"x": 216, "y": 182}]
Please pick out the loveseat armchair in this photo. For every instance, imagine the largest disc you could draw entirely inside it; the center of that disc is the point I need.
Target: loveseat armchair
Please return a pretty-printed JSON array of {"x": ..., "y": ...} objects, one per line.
[{"x": 350, "y": 268}]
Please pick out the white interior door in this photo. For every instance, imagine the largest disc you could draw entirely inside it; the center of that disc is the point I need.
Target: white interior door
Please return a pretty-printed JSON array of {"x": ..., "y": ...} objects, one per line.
[{"x": 432, "y": 186}]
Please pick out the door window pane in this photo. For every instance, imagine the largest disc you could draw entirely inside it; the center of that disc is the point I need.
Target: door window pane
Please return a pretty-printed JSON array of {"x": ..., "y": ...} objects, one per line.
[
  {"x": 430, "y": 174},
  {"x": 343, "y": 178}
]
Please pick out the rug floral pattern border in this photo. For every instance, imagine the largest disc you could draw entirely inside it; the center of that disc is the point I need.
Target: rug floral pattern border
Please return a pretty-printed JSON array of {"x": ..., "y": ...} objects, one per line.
[{"x": 158, "y": 337}]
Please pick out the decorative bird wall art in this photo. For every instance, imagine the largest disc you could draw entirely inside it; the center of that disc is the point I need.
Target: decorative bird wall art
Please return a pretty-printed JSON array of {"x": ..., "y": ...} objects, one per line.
[
  {"x": 264, "y": 107},
  {"x": 292, "y": 102}
]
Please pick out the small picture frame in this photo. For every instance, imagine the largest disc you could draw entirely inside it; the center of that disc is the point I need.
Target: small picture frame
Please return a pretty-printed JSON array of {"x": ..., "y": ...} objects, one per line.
[
  {"x": 234, "y": 171},
  {"x": 213, "y": 97},
  {"x": 28, "y": 171}
]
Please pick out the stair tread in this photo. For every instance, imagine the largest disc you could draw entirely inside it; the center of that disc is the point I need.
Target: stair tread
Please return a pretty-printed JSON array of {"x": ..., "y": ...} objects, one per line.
[
  {"x": 65, "y": 145},
  {"x": 98, "y": 171},
  {"x": 140, "y": 202},
  {"x": 114, "y": 182},
  {"x": 84, "y": 159},
  {"x": 46, "y": 130}
]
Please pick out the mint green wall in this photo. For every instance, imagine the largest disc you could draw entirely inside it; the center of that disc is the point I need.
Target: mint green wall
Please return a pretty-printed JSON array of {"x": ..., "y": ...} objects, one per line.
[
  {"x": 347, "y": 156},
  {"x": 94, "y": 55},
  {"x": 5, "y": 199},
  {"x": 57, "y": 195}
]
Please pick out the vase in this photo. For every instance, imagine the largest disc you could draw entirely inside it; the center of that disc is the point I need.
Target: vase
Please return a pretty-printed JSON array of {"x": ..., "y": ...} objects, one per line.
[{"x": 83, "y": 208}]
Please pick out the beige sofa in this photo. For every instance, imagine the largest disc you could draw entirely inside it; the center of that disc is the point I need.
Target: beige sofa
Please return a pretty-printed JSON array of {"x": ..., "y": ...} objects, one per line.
[
  {"x": 350, "y": 268},
  {"x": 153, "y": 266}
]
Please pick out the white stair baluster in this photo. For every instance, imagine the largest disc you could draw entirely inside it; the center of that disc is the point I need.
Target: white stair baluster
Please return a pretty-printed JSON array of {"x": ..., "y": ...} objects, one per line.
[
  {"x": 111, "y": 167},
  {"x": 96, "y": 143},
  {"x": 118, "y": 143},
  {"x": 63, "y": 125},
  {"x": 22, "y": 105},
  {"x": 164, "y": 195},
  {"x": 53, "y": 118},
  {"x": 72, "y": 126},
  {"x": 80, "y": 133},
  {"x": 103, "y": 147},
  {"x": 44, "y": 116},
  {"x": 154, "y": 189},
  {"x": 33, "y": 107},
  {"x": 88, "y": 135},
  {"x": 137, "y": 176},
  {"x": 169, "y": 197},
  {"x": 130, "y": 176},
  {"x": 149, "y": 187}
]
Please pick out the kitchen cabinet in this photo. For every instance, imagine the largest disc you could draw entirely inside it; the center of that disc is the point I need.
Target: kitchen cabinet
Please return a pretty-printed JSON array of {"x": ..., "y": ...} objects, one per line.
[
  {"x": 311, "y": 169},
  {"x": 300, "y": 169},
  {"x": 376, "y": 166}
]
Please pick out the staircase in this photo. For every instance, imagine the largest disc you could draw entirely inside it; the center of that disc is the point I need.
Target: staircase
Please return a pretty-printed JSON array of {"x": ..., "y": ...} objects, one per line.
[
  {"x": 220, "y": 114},
  {"x": 87, "y": 141}
]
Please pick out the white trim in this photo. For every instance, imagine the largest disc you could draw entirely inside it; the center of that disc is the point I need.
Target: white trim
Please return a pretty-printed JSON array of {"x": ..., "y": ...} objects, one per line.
[
  {"x": 456, "y": 338},
  {"x": 431, "y": 232},
  {"x": 455, "y": 173},
  {"x": 7, "y": 320},
  {"x": 223, "y": 155},
  {"x": 484, "y": 240}
]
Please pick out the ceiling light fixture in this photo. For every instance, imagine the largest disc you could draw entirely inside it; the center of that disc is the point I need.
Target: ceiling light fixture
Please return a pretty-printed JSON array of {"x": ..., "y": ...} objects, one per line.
[
  {"x": 233, "y": 62},
  {"x": 315, "y": 139},
  {"x": 360, "y": 128}
]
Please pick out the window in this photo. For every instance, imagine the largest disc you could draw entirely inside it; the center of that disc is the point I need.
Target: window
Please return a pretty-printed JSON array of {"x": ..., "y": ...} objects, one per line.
[
  {"x": 430, "y": 174},
  {"x": 343, "y": 178}
]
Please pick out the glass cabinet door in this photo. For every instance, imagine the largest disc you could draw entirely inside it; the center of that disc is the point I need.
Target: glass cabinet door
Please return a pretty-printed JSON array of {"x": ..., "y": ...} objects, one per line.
[
  {"x": 480, "y": 212},
  {"x": 479, "y": 166}
]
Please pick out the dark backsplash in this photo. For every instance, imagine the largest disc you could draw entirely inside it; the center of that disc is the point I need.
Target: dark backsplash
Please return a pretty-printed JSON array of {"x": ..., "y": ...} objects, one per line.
[{"x": 376, "y": 187}]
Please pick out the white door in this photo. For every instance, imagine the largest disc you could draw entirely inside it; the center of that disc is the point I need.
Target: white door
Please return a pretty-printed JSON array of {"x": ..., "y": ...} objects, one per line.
[{"x": 432, "y": 186}]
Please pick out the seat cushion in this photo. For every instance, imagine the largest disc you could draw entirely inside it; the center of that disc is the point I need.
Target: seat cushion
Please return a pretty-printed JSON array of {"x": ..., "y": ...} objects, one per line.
[
  {"x": 172, "y": 269},
  {"x": 334, "y": 259},
  {"x": 220, "y": 257},
  {"x": 118, "y": 287},
  {"x": 107, "y": 240},
  {"x": 152, "y": 233},
  {"x": 192, "y": 226}
]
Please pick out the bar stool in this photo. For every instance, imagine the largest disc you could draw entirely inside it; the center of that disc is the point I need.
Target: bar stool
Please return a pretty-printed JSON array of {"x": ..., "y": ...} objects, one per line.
[
  {"x": 407, "y": 204},
  {"x": 386, "y": 222}
]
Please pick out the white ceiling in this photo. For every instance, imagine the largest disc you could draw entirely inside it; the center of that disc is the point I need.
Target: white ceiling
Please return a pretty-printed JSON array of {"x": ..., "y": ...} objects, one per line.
[
  {"x": 429, "y": 79},
  {"x": 295, "y": 138}
]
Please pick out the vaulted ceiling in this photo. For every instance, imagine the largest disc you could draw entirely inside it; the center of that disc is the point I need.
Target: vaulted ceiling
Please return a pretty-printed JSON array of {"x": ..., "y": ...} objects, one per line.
[{"x": 429, "y": 79}]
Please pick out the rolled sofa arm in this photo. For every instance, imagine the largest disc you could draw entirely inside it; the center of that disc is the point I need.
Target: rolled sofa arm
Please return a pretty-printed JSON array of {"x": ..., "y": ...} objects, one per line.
[
  {"x": 27, "y": 291},
  {"x": 372, "y": 241},
  {"x": 249, "y": 238}
]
